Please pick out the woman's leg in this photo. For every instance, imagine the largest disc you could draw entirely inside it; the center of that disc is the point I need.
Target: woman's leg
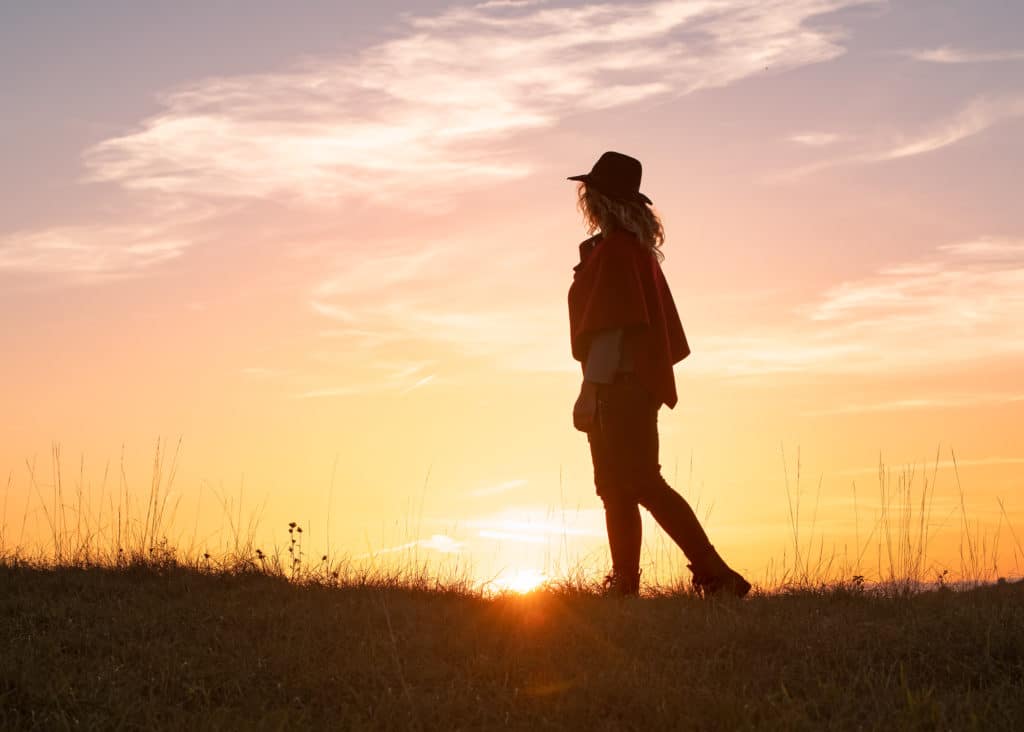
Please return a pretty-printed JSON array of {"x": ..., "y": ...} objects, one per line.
[
  {"x": 625, "y": 535},
  {"x": 674, "y": 515},
  {"x": 622, "y": 513},
  {"x": 631, "y": 434},
  {"x": 635, "y": 443},
  {"x": 711, "y": 574}
]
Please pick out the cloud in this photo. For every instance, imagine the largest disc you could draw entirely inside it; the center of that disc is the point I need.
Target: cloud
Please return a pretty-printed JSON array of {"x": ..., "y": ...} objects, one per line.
[
  {"x": 515, "y": 536},
  {"x": 499, "y": 488},
  {"x": 531, "y": 525},
  {"x": 397, "y": 379},
  {"x": 260, "y": 372},
  {"x": 148, "y": 233},
  {"x": 782, "y": 352},
  {"x": 536, "y": 524},
  {"x": 512, "y": 337},
  {"x": 986, "y": 248},
  {"x": 974, "y": 118},
  {"x": 443, "y": 299},
  {"x": 412, "y": 122},
  {"x": 384, "y": 269},
  {"x": 438, "y": 543},
  {"x": 432, "y": 111},
  {"x": 491, "y": 4},
  {"x": 949, "y": 55},
  {"x": 970, "y": 283},
  {"x": 90, "y": 253},
  {"x": 937, "y": 402},
  {"x": 815, "y": 139},
  {"x": 969, "y": 296},
  {"x": 943, "y": 465},
  {"x": 340, "y": 391}
]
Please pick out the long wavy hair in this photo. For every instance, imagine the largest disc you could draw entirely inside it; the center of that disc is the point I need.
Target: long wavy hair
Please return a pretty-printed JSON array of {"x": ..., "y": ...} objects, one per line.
[{"x": 604, "y": 214}]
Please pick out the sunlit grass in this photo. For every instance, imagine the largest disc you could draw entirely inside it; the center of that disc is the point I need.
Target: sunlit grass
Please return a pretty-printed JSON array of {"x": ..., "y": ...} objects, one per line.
[
  {"x": 112, "y": 525},
  {"x": 112, "y": 624},
  {"x": 161, "y": 646}
]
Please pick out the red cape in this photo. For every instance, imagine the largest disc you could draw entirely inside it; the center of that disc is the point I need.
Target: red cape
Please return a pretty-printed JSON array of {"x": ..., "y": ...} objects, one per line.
[{"x": 619, "y": 284}]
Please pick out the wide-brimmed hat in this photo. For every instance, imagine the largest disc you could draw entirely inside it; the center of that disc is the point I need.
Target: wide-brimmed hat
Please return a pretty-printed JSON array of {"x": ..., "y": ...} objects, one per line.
[{"x": 616, "y": 176}]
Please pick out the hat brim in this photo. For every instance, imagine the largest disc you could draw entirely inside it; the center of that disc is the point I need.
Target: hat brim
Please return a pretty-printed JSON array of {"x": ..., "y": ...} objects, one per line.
[{"x": 585, "y": 178}]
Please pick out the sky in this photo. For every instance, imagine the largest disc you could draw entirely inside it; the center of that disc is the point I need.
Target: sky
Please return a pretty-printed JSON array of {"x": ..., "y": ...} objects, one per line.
[{"x": 326, "y": 246}]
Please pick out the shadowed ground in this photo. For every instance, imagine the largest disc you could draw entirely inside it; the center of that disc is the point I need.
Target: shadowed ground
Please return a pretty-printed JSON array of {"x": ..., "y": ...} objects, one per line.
[{"x": 175, "y": 648}]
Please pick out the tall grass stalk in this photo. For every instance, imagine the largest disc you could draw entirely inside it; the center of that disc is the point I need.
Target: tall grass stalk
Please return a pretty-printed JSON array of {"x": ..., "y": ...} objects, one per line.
[{"x": 114, "y": 526}]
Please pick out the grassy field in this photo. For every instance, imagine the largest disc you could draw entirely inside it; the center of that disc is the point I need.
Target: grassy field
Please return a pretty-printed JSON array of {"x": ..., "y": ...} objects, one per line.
[{"x": 163, "y": 646}]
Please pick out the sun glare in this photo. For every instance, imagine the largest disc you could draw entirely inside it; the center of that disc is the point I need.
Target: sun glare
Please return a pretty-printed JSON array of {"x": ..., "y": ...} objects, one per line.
[{"x": 522, "y": 581}]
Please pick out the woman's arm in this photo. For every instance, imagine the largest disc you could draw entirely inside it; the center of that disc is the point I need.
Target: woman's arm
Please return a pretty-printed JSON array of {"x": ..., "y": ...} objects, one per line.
[{"x": 603, "y": 356}]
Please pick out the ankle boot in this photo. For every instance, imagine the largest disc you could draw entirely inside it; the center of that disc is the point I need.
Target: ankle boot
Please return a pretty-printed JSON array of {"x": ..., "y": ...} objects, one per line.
[
  {"x": 712, "y": 576},
  {"x": 623, "y": 584}
]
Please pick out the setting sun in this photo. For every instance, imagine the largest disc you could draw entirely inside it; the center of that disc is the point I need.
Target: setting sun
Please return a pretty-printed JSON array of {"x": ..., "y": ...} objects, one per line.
[{"x": 522, "y": 581}]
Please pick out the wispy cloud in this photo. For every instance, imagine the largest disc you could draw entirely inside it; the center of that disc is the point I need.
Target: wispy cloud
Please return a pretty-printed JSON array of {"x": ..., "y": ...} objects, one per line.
[
  {"x": 942, "y": 465},
  {"x": 498, "y": 488},
  {"x": 535, "y": 525},
  {"x": 147, "y": 233},
  {"x": 956, "y": 401},
  {"x": 491, "y": 4},
  {"x": 950, "y": 55},
  {"x": 421, "y": 382},
  {"x": 90, "y": 253},
  {"x": 970, "y": 295},
  {"x": 815, "y": 139},
  {"x": 966, "y": 284},
  {"x": 409, "y": 297},
  {"x": 783, "y": 351},
  {"x": 340, "y": 391},
  {"x": 974, "y": 118},
  {"x": 414, "y": 121},
  {"x": 382, "y": 269},
  {"x": 522, "y": 526},
  {"x": 430, "y": 110},
  {"x": 507, "y": 337},
  {"x": 260, "y": 372},
  {"x": 396, "y": 379},
  {"x": 440, "y": 543},
  {"x": 518, "y": 537}
]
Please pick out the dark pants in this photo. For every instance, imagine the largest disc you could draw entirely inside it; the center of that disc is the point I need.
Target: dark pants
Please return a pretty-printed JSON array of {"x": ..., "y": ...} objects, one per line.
[{"x": 627, "y": 475}]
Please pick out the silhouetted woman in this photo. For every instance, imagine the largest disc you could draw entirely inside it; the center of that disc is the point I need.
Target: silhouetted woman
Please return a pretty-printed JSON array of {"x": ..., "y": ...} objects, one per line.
[{"x": 626, "y": 332}]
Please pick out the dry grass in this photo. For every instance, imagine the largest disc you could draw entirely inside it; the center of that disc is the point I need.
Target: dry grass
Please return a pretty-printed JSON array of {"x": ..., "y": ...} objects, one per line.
[
  {"x": 147, "y": 647},
  {"x": 118, "y": 628}
]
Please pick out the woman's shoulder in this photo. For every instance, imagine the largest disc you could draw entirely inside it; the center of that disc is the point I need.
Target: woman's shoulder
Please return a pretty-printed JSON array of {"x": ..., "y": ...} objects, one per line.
[
  {"x": 624, "y": 243},
  {"x": 623, "y": 236}
]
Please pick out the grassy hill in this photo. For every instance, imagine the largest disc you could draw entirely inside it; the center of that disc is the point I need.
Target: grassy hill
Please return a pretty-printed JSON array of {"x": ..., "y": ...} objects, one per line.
[{"x": 169, "y": 647}]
